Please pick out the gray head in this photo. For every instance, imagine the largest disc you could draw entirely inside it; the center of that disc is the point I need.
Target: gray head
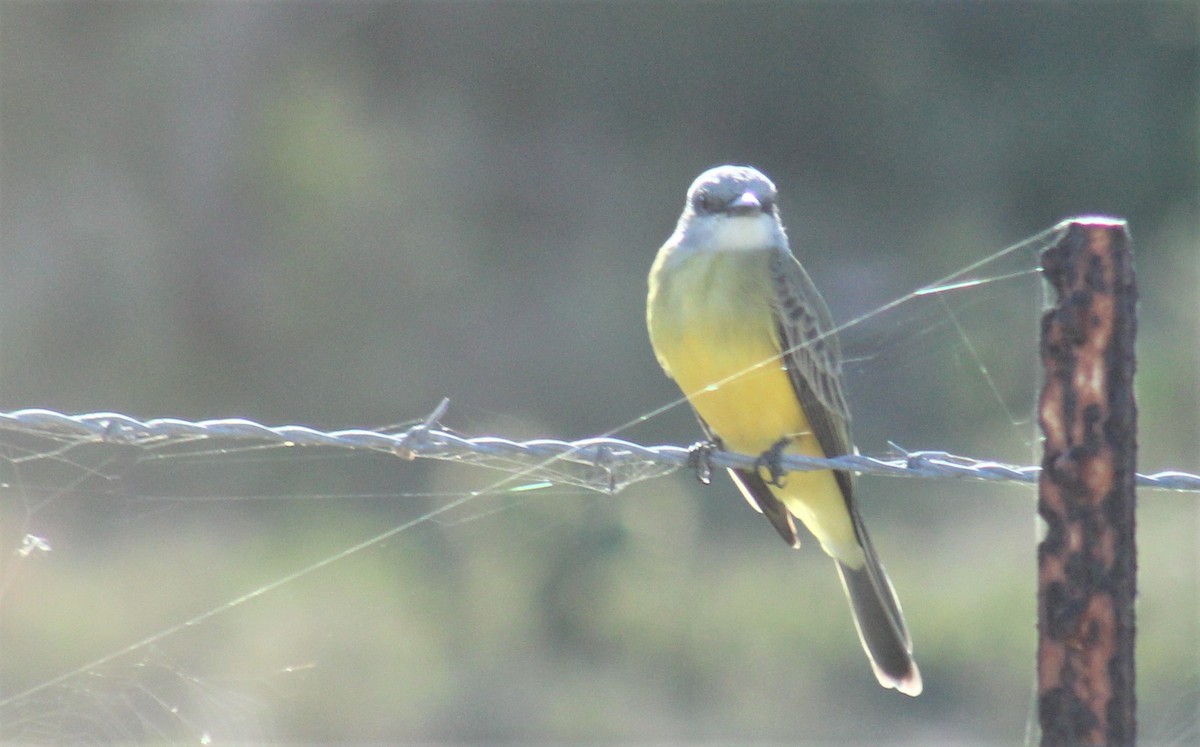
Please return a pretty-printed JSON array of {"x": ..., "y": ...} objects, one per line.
[
  {"x": 730, "y": 207},
  {"x": 731, "y": 191}
]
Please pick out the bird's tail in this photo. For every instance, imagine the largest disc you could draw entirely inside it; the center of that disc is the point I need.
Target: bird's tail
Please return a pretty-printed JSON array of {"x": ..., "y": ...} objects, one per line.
[{"x": 879, "y": 621}]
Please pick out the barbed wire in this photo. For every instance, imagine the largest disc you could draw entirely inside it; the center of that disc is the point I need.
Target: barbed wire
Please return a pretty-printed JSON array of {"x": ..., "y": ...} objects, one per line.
[{"x": 602, "y": 464}]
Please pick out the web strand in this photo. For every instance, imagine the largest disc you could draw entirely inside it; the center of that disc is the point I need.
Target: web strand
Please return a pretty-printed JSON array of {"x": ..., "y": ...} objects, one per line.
[{"x": 604, "y": 464}]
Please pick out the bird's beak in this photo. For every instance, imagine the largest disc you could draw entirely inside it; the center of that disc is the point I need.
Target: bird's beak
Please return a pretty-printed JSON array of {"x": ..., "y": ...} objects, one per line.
[{"x": 746, "y": 204}]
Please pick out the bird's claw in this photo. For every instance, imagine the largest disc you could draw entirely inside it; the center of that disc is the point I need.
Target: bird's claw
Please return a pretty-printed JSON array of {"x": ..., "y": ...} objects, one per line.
[
  {"x": 771, "y": 460},
  {"x": 700, "y": 460}
]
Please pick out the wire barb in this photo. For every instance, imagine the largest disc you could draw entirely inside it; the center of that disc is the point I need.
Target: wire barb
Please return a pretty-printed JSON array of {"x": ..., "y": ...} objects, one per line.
[
  {"x": 606, "y": 465},
  {"x": 402, "y": 448}
]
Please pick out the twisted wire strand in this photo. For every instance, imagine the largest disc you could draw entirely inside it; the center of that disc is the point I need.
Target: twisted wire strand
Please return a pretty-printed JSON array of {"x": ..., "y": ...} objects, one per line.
[{"x": 603, "y": 464}]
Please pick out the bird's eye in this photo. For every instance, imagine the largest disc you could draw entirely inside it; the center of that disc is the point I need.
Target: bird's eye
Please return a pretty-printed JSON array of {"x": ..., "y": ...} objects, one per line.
[
  {"x": 703, "y": 202},
  {"x": 768, "y": 205}
]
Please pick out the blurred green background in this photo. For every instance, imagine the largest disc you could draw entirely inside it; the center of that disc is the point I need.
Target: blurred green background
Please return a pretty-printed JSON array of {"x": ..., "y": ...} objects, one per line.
[{"x": 336, "y": 214}]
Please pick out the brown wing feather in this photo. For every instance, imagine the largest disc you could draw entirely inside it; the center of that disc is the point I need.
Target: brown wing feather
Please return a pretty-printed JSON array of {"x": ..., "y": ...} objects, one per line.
[{"x": 813, "y": 359}]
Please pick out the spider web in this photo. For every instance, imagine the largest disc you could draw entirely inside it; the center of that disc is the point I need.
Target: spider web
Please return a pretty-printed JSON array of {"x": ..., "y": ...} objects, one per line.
[{"x": 190, "y": 648}]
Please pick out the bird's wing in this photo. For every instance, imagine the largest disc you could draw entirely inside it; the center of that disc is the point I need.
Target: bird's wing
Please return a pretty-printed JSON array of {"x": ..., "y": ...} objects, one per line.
[{"x": 811, "y": 353}]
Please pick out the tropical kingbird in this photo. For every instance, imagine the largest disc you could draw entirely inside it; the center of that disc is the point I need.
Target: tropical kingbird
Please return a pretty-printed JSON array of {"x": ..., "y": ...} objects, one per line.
[{"x": 737, "y": 323}]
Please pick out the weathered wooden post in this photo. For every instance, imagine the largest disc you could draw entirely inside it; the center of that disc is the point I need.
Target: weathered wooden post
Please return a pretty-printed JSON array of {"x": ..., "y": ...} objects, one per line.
[{"x": 1087, "y": 562}]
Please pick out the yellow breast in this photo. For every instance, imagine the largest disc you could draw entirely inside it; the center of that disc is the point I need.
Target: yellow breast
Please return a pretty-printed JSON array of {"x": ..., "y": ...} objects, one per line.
[{"x": 713, "y": 330}]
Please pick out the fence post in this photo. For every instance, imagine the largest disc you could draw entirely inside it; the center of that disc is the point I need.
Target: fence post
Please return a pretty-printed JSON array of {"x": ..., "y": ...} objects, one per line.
[{"x": 1087, "y": 560}]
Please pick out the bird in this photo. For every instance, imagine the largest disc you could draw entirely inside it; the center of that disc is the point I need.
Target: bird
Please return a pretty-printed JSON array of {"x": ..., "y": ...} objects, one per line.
[{"x": 736, "y": 322}]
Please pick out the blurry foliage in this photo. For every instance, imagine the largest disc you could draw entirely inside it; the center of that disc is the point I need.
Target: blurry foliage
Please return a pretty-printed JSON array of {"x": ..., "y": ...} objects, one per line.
[{"x": 337, "y": 214}]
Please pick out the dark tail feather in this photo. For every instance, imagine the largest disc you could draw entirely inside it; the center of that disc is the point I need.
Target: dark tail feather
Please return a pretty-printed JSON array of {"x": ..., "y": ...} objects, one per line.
[
  {"x": 880, "y": 623},
  {"x": 758, "y": 493}
]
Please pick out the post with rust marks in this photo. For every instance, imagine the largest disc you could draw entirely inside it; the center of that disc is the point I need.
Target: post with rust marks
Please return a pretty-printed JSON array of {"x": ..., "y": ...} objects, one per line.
[{"x": 1087, "y": 562}]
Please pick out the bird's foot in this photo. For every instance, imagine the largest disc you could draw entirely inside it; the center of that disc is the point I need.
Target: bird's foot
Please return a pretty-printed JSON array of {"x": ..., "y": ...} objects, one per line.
[
  {"x": 700, "y": 460},
  {"x": 771, "y": 460}
]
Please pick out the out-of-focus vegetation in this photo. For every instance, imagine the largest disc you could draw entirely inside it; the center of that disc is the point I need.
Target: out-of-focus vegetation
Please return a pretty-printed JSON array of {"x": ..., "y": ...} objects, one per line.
[{"x": 336, "y": 214}]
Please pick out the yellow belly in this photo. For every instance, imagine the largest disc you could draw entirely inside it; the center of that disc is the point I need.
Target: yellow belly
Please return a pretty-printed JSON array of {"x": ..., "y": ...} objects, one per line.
[
  {"x": 713, "y": 330},
  {"x": 739, "y": 387}
]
